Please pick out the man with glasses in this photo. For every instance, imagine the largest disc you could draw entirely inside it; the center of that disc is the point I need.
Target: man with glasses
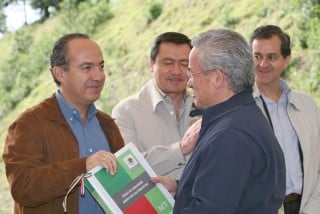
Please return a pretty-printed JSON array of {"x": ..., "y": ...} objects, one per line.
[
  {"x": 237, "y": 165},
  {"x": 156, "y": 118},
  {"x": 294, "y": 116}
]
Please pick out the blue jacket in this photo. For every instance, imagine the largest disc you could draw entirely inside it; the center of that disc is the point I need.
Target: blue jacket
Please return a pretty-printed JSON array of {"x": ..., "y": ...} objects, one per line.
[{"x": 237, "y": 166}]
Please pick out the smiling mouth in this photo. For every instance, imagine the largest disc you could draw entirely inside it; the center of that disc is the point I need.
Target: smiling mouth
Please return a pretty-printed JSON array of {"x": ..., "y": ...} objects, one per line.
[
  {"x": 263, "y": 71},
  {"x": 175, "y": 79},
  {"x": 95, "y": 87}
]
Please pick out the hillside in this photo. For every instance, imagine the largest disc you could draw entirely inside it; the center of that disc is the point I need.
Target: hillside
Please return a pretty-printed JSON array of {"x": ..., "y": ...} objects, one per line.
[{"x": 126, "y": 36}]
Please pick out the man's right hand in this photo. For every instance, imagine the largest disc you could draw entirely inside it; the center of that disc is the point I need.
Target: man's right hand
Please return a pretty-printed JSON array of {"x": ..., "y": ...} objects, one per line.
[
  {"x": 103, "y": 158},
  {"x": 169, "y": 183},
  {"x": 190, "y": 138}
]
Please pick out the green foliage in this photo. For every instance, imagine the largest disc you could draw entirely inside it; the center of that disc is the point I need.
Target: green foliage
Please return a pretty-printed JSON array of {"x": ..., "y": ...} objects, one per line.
[
  {"x": 155, "y": 10},
  {"x": 86, "y": 16},
  {"x": 307, "y": 78},
  {"x": 22, "y": 41},
  {"x": 3, "y": 26},
  {"x": 20, "y": 71},
  {"x": 124, "y": 31},
  {"x": 44, "y": 6},
  {"x": 15, "y": 71},
  {"x": 308, "y": 23},
  {"x": 226, "y": 17}
]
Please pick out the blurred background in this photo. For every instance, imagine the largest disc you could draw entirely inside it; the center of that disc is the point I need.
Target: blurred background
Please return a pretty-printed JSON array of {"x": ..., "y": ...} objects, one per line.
[{"x": 125, "y": 30}]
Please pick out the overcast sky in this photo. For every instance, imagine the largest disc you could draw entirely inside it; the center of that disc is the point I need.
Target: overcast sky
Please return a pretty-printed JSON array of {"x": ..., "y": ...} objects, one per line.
[{"x": 16, "y": 17}]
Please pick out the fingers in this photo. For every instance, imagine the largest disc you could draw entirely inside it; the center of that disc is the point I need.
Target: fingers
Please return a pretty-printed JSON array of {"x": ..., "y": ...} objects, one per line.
[
  {"x": 169, "y": 183},
  {"x": 189, "y": 140},
  {"x": 105, "y": 159},
  {"x": 157, "y": 179},
  {"x": 109, "y": 162},
  {"x": 196, "y": 126}
]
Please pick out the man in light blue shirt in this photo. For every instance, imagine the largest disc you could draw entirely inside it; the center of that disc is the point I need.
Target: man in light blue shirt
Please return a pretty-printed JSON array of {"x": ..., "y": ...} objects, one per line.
[
  {"x": 91, "y": 139},
  {"x": 64, "y": 136},
  {"x": 294, "y": 116}
]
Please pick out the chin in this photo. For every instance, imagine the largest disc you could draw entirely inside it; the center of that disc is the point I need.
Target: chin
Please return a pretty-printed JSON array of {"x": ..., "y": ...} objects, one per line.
[{"x": 94, "y": 98}]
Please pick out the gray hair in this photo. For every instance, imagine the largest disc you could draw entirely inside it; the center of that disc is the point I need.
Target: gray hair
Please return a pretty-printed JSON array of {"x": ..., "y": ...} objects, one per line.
[{"x": 229, "y": 52}]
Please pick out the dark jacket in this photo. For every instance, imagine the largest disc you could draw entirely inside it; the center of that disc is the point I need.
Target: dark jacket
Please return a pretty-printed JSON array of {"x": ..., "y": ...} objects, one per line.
[
  {"x": 237, "y": 166},
  {"x": 41, "y": 157}
]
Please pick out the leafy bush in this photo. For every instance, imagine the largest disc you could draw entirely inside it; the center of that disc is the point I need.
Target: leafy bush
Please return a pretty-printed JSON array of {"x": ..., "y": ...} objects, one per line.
[
  {"x": 155, "y": 10},
  {"x": 309, "y": 24},
  {"x": 20, "y": 71},
  {"x": 86, "y": 16}
]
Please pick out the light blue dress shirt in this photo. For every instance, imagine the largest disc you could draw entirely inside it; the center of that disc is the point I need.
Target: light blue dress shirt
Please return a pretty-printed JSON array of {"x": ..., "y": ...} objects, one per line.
[
  {"x": 288, "y": 140},
  {"x": 90, "y": 138}
]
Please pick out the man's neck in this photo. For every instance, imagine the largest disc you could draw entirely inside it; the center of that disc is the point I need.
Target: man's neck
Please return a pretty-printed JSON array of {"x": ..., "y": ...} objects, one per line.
[
  {"x": 83, "y": 109},
  {"x": 273, "y": 92},
  {"x": 177, "y": 100}
]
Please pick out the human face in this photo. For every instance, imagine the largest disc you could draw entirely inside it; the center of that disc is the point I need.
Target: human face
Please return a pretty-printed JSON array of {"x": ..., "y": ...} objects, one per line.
[
  {"x": 170, "y": 68},
  {"x": 82, "y": 83},
  {"x": 202, "y": 87},
  {"x": 268, "y": 60}
]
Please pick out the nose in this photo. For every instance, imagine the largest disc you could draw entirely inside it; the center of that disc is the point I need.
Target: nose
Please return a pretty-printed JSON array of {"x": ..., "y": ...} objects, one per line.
[
  {"x": 97, "y": 73},
  {"x": 176, "y": 68},
  {"x": 179, "y": 68},
  {"x": 264, "y": 62}
]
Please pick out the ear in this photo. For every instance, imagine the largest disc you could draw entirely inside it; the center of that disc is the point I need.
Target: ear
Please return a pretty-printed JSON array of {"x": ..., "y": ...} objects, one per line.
[
  {"x": 219, "y": 77},
  {"x": 287, "y": 61},
  {"x": 151, "y": 64},
  {"x": 58, "y": 72}
]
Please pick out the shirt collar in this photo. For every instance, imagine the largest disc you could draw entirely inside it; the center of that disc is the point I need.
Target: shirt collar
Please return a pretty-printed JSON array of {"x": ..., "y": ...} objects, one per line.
[
  {"x": 158, "y": 96},
  {"x": 285, "y": 89},
  {"x": 69, "y": 111},
  {"x": 291, "y": 98}
]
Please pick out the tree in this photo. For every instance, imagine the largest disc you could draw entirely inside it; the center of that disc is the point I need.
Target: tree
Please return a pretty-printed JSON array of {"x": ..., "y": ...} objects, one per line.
[
  {"x": 3, "y": 26},
  {"x": 3, "y": 5},
  {"x": 44, "y": 6}
]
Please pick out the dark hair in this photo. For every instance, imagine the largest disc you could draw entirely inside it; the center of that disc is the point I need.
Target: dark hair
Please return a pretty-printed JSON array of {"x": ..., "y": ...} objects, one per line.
[
  {"x": 59, "y": 55},
  {"x": 267, "y": 31},
  {"x": 170, "y": 37}
]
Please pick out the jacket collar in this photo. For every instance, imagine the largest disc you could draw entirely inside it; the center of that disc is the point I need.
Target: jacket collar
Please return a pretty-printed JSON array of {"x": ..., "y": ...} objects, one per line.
[
  {"x": 293, "y": 97},
  {"x": 237, "y": 100}
]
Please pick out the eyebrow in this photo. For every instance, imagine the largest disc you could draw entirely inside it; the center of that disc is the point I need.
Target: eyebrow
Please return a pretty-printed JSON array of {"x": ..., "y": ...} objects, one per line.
[
  {"x": 268, "y": 54},
  {"x": 179, "y": 60},
  {"x": 91, "y": 63}
]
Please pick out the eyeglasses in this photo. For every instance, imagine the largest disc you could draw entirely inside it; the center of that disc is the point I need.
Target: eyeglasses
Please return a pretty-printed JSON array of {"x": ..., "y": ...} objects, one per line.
[{"x": 190, "y": 74}]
